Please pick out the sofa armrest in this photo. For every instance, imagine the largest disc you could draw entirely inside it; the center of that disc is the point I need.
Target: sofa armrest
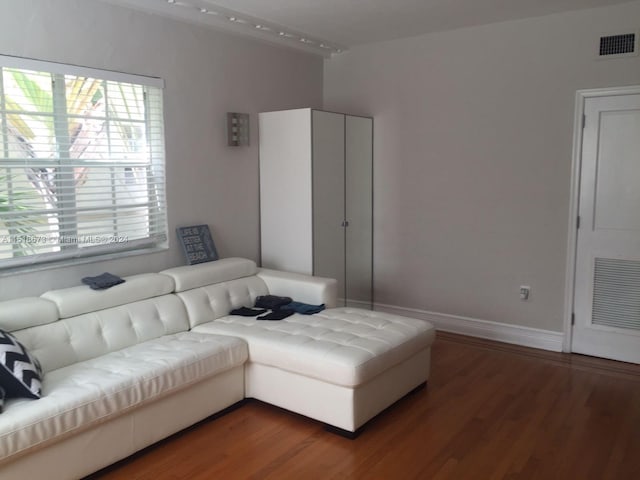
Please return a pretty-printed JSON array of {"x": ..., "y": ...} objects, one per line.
[{"x": 302, "y": 288}]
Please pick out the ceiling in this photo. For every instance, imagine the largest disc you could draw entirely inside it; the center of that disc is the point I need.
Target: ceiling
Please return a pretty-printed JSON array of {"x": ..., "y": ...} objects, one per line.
[{"x": 331, "y": 26}]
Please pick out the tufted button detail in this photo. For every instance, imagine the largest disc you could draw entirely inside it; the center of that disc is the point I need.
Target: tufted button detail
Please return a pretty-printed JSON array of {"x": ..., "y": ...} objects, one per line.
[
  {"x": 87, "y": 393},
  {"x": 343, "y": 346}
]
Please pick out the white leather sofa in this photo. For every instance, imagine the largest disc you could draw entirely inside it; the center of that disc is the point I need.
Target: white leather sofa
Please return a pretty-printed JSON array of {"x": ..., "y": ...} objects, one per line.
[
  {"x": 122, "y": 371},
  {"x": 341, "y": 366},
  {"x": 130, "y": 365}
]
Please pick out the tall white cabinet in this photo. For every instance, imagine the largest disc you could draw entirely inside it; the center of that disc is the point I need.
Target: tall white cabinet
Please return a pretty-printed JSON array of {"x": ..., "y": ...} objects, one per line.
[{"x": 316, "y": 197}]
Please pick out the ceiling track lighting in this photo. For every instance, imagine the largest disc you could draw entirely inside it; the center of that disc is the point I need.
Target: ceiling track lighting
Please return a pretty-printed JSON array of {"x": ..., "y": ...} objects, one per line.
[{"x": 231, "y": 17}]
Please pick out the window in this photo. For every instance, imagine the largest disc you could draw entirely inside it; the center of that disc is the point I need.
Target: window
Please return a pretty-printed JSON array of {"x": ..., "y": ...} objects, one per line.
[{"x": 81, "y": 162}]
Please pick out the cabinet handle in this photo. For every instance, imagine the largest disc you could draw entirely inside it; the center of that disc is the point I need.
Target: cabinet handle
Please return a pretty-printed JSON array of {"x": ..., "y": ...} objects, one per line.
[{"x": 345, "y": 223}]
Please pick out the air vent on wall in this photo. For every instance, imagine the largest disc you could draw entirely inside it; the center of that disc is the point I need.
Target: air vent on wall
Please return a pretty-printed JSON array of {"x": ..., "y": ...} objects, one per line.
[{"x": 618, "y": 45}]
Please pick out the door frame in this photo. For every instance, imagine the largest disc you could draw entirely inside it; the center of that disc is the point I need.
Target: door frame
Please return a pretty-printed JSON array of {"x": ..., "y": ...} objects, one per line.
[{"x": 572, "y": 236}]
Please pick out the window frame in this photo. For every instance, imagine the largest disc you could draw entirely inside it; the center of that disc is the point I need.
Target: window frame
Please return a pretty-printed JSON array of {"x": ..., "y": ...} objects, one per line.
[{"x": 157, "y": 239}]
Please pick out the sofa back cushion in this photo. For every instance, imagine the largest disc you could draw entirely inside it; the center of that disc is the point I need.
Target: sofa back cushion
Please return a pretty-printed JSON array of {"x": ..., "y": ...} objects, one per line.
[
  {"x": 90, "y": 335},
  {"x": 211, "y": 290},
  {"x": 205, "y": 304},
  {"x": 78, "y": 300},
  {"x": 26, "y": 312},
  {"x": 75, "y": 324},
  {"x": 189, "y": 277}
]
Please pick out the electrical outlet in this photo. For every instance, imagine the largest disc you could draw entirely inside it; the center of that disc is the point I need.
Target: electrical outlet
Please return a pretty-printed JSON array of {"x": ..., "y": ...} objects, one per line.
[{"x": 525, "y": 291}]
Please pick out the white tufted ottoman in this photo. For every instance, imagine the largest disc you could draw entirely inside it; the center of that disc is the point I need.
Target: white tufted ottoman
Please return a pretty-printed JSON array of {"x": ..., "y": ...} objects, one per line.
[{"x": 342, "y": 366}]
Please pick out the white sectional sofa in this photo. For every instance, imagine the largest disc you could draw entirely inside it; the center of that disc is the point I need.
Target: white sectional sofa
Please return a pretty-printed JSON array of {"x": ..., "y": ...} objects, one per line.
[{"x": 130, "y": 365}]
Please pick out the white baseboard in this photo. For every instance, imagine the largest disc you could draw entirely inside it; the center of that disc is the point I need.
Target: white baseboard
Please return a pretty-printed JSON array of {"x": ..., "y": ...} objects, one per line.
[
  {"x": 502, "y": 332},
  {"x": 357, "y": 304}
]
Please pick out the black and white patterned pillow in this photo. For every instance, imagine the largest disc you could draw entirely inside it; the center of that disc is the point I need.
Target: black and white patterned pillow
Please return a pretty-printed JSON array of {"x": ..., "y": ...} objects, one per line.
[{"x": 20, "y": 373}]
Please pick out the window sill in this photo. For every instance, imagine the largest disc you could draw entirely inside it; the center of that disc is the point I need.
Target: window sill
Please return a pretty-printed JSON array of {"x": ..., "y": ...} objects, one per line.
[{"x": 72, "y": 262}]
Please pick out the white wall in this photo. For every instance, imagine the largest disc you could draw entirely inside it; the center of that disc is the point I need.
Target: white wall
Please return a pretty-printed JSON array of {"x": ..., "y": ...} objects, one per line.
[
  {"x": 473, "y": 137},
  {"x": 207, "y": 74}
]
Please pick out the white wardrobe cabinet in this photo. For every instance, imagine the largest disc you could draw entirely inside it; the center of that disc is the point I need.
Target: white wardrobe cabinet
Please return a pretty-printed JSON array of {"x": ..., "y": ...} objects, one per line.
[{"x": 316, "y": 197}]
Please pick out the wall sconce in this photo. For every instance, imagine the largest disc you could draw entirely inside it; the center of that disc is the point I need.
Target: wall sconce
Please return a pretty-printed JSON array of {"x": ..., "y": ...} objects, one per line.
[{"x": 237, "y": 129}]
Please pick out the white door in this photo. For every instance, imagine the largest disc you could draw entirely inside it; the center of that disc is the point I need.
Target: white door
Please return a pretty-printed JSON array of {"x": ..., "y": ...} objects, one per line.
[
  {"x": 607, "y": 287},
  {"x": 328, "y": 197},
  {"x": 359, "y": 211}
]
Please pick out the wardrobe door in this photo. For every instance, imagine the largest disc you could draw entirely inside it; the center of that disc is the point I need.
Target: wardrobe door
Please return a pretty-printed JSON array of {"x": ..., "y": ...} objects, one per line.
[
  {"x": 286, "y": 227},
  {"x": 328, "y": 197},
  {"x": 359, "y": 211}
]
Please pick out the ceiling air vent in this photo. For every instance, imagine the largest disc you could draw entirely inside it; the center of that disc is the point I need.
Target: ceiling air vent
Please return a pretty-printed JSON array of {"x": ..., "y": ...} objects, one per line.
[{"x": 618, "y": 45}]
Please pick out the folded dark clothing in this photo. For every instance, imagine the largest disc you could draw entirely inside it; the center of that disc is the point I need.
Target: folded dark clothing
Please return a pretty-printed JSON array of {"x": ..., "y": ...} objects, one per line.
[
  {"x": 106, "y": 280},
  {"x": 276, "y": 315},
  {"x": 271, "y": 302},
  {"x": 303, "y": 308},
  {"x": 247, "y": 312}
]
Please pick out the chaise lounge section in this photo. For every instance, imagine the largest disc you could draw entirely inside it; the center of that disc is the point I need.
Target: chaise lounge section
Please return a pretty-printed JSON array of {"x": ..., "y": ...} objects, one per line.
[{"x": 341, "y": 366}]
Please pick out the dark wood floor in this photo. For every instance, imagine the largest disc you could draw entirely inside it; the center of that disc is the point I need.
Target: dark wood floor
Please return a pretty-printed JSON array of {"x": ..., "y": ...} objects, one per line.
[{"x": 491, "y": 411}]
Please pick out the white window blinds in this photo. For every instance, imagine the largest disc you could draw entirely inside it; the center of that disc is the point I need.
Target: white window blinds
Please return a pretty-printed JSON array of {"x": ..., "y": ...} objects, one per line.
[{"x": 82, "y": 168}]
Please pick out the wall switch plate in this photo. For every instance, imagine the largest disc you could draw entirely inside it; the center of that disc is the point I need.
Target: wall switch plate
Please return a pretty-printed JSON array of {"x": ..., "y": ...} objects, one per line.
[{"x": 525, "y": 291}]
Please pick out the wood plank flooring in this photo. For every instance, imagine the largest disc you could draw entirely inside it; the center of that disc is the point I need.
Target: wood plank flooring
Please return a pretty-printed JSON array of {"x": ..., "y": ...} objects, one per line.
[{"x": 491, "y": 411}]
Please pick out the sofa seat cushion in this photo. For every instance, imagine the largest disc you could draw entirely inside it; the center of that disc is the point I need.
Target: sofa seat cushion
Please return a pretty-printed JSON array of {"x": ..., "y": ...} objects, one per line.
[
  {"x": 343, "y": 346},
  {"x": 79, "y": 396}
]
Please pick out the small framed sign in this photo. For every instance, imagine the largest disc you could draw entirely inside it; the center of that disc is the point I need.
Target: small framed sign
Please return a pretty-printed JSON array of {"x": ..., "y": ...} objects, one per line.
[{"x": 197, "y": 244}]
